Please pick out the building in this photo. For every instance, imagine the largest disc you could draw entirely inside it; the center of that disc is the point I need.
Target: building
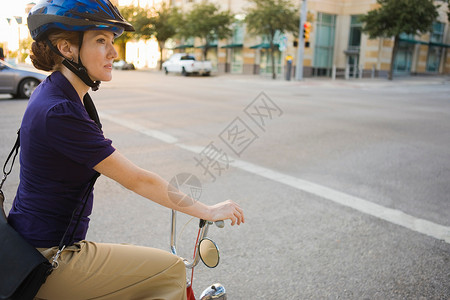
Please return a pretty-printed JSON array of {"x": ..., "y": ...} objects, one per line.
[{"x": 336, "y": 44}]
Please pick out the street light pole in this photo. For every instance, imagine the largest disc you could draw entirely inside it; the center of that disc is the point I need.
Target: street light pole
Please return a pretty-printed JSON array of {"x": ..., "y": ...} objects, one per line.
[{"x": 301, "y": 43}]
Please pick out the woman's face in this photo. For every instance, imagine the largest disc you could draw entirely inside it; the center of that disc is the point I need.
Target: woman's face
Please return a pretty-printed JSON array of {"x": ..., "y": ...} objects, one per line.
[{"x": 98, "y": 54}]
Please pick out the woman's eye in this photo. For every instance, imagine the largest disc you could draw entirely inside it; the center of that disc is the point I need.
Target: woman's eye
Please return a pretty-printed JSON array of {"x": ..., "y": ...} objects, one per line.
[{"x": 102, "y": 41}]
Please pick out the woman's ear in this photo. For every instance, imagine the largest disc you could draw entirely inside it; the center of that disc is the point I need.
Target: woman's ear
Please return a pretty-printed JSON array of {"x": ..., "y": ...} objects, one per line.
[{"x": 68, "y": 50}]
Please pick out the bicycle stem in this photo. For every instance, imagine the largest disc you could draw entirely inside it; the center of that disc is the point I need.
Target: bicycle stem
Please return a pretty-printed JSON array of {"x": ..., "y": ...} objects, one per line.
[{"x": 173, "y": 249}]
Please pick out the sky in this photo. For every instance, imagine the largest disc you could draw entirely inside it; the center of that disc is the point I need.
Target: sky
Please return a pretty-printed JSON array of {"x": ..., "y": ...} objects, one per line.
[{"x": 13, "y": 8}]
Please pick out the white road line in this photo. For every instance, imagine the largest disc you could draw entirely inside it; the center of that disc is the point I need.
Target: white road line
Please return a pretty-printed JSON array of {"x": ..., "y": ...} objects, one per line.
[
  {"x": 388, "y": 214},
  {"x": 159, "y": 135}
]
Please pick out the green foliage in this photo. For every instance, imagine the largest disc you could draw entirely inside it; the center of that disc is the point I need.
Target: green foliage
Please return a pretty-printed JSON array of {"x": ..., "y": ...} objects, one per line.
[
  {"x": 138, "y": 17},
  {"x": 266, "y": 17},
  {"x": 24, "y": 48},
  {"x": 207, "y": 22},
  {"x": 394, "y": 17},
  {"x": 162, "y": 22},
  {"x": 25, "y": 44}
]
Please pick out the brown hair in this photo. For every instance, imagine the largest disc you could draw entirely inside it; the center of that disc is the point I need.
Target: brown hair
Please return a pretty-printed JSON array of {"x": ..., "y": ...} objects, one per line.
[{"x": 43, "y": 57}]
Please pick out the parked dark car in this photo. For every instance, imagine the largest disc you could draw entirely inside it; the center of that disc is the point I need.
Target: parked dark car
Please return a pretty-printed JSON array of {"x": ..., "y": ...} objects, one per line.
[
  {"x": 123, "y": 65},
  {"x": 18, "y": 82}
]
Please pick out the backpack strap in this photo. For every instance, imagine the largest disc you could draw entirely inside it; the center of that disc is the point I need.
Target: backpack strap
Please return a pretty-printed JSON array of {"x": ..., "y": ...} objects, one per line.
[
  {"x": 92, "y": 111},
  {"x": 12, "y": 154}
]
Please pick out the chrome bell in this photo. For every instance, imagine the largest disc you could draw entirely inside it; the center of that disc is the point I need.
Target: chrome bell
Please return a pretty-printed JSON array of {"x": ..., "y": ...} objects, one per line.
[{"x": 215, "y": 291}]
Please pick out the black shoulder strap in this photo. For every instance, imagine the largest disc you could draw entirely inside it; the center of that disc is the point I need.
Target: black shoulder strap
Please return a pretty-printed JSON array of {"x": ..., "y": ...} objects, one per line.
[
  {"x": 63, "y": 242},
  {"x": 6, "y": 172},
  {"x": 91, "y": 110},
  {"x": 12, "y": 154}
]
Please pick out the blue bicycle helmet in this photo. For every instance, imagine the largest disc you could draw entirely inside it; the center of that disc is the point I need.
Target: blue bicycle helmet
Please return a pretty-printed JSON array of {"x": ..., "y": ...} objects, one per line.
[{"x": 75, "y": 15}]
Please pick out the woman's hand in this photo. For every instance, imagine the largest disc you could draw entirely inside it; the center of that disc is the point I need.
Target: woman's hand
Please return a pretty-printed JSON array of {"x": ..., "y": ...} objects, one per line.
[{"x": 227, "y": 210}]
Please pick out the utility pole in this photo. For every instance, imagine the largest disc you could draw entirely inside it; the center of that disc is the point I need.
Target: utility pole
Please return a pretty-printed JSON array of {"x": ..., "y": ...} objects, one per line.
[{"x": 301, "y": 43}]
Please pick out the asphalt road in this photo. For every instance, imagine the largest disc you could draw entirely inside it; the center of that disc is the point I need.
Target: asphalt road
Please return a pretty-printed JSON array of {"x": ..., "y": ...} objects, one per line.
[{"x": 345, "y": 184}]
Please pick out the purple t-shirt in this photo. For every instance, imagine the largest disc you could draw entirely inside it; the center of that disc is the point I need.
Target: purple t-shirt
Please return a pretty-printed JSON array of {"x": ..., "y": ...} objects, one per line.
[{"x": 59, "y": 146}]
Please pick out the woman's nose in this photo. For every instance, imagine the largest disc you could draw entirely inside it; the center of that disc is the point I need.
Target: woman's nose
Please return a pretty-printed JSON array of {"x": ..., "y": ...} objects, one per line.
[{"x": 113, "y": 52}]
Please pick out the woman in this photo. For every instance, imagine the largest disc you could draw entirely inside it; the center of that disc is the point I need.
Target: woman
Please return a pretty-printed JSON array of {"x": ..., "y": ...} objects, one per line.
[{"x": 62, "y": 148}]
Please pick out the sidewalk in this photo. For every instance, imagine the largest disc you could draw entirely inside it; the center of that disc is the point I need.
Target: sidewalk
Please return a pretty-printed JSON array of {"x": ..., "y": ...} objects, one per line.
[
  {"x": 412, "y": 80},
  {"x": 400, "y": 80}
]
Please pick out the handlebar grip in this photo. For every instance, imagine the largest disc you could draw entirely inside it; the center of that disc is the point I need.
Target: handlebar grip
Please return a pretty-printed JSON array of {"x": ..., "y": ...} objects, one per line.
[
  {"x": 220, "y": 223},
  {"x": 202, "y": 223}
]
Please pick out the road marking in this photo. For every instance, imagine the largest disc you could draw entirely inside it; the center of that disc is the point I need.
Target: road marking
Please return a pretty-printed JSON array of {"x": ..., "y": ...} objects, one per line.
[
  {"x": 159, "y": 135},
  {"x": 394, "y": 216}
]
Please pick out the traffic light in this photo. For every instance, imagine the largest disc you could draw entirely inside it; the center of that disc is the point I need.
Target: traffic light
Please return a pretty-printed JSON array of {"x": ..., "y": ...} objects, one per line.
[{"x": 306, "y": 33}]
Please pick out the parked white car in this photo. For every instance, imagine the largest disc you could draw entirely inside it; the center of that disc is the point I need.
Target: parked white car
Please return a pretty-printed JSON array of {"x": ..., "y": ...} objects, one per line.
[{"x": 186, "y": 64}]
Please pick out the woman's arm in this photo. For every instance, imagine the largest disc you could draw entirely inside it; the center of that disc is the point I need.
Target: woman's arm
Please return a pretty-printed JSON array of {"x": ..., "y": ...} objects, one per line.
[{"x": 153, "y": 187}]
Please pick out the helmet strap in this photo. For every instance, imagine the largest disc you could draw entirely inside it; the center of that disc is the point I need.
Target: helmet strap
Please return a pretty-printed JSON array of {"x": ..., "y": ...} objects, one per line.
[{"x": 76, "y": 67}]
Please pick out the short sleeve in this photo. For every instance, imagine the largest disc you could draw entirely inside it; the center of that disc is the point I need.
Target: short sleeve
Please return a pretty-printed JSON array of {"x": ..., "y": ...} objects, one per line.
[{"x": 71, "y": 132}]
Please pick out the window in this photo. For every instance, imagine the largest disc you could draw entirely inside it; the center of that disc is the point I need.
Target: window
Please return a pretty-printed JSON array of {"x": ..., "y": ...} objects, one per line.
[
  {"x": 237, "y": 61},
  {"x": 324, "y": 46},
  {"x": 354, "y": 45},
  {"x": 238, "y": 33},
  {"x": 434, "y": 59},
  {"x": 435, "y": 52},
  {"x": 437, "y": 33},
  {"x": 189, "y": 41},
  {"x": 265, "y": 66},
  {"x": 403, "y": 58},
  {"x": 354, "y": 41},
  {"x": 187, "y": 57}
]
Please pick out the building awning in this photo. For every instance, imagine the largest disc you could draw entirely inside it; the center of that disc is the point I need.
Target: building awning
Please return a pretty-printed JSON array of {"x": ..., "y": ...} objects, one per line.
[
  {"x": 412, "y": 41},
  {"x": 184, "y": 46},
  {"x": 434, "y": 44},
  {"x": 209, "y": 46},
  {"x": 263, "y": 46},
  {"x": 233, "y": 46},
  {"x": 439, "y": 45}
]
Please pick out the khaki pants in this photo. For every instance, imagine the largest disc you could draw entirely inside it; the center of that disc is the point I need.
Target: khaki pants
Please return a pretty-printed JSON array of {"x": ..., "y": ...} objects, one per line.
[{"x": 90, "y": 270}]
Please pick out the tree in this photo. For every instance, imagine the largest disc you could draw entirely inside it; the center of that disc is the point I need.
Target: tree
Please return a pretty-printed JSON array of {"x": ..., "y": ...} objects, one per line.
[
  {"x": 267, "y": 17},
  {"x": 394, "y": 17},
  {"x": 24, "y": 48},
  {"x": 163, "y": 26},
  {"x": 138, "y": 17},
  {"x": 208, "y": 23}
]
